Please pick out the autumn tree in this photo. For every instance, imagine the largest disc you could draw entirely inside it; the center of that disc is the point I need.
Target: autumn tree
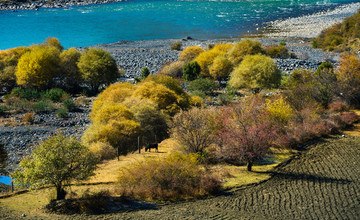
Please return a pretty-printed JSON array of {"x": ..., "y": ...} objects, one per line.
[
  {"x": 153, "y": 122},
  {"x": 70, "y": 72},
  {"x": 245, "y": 135},
  {"x": 114, "y": 124},
  {"x": 37, "y": 68},
  {"x": 190, "y": 53},
  {"x": 98, "y": 68},
  {"x": 221, "y": 68},
  {"x": 194, "y": 129},
  {"x": 206, "y": 59},
  {"x": 256, "y": 72},
  {"x": 53, "y": 42},
  {"x": 173, "y": 69},
  {"x": 348, "y": 74},
  {"x": 56, "y": 161},
  {"x": 243, "y": 48}
]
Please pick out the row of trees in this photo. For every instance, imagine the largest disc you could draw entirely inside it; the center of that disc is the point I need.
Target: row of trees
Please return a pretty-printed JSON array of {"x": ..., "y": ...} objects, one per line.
[
  {"x": 247, "y": 63},
  {"x": 47, "y": 65}
]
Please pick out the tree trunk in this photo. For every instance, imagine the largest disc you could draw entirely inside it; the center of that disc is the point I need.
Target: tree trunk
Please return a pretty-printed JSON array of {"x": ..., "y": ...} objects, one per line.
[
  {"x": 60, "y": 193},
  {"x": 249, "y": 165}
]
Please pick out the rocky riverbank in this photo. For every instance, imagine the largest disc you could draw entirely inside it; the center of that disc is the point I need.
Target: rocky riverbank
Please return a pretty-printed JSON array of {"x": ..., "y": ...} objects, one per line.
[
  {"x": 132, "y": 56},
  {"x": 310, "y": 26},
  {"x": 36, "y": 4}
]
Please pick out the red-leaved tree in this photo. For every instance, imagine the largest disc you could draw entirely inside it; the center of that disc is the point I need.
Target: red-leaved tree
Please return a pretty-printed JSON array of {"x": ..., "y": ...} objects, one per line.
[{"x": 247, "y": 135}]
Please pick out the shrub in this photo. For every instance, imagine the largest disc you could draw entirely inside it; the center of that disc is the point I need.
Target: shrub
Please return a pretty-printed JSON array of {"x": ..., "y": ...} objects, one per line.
[
  {"x": 166, "y": 99},
  {"x": 53, "y": 42},
  {"x": 69, "y": 104},
  {"x": 191, "y": 71},
  {"x": 37, "y": 68},
  {"x": 115, "y": 93},
  {"x": 280, "y": 111},
  {"x": 173, "y": 69},
  {"x": 55, "y": 95},
  {"x": 206, "y": 59},
  {"x": 29, "y": 117},
  {"x": 348, "y": 75},
  {"x": 242, "y": 48},
  {"x": 175, "y": 177},
  {"x": 176, "y": 45},
  {"x": 256, "y": 72},
  {"x": 338, "y": 106},
  {"x": 220, "y": 68},
  {"x": 349, "y": 118},
  {"x": 223, "y": 47},
  {"x": 190, "y": 53},
  {"x": 41, "y": 106},
  {"x": 98, "y": 68},
  {"x": 224, "y": 99},
  {"x": 103, "y": 151},
  {"x": 3, "y": 109},
  {"x": 277, "y": 52},
  {"x": 70, "y": 72},
  {"x": 7, "y": 78},
  {"x": 28, "y": 94},
  {"x": 196, "y": 101},
  {"x": 194, "y": 129},
  {"x": 145, "y": 72},
  {"x": 204, "y": 85},
  {"x": 62, "y": 113}
]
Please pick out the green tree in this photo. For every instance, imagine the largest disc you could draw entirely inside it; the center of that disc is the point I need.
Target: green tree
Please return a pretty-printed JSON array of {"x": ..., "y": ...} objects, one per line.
[
  {"x": 145, "y": 72},
  {"x": 256, "y": 72},
  {"x": 191, "y": 71},
  {"x": 56, "y": 161},
  {"x": 98, "y": 68},
  {"x": 37, "y": 68}
]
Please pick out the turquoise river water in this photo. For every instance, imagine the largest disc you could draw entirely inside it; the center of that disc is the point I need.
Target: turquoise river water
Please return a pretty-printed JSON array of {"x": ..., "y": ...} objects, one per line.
[{"x": 149, "y": 19}]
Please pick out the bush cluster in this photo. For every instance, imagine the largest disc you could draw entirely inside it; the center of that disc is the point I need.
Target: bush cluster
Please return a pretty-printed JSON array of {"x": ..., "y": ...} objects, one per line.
[
  {"x": 124, "y": 112},
  {"x": 47, "y": 65},
  {"x": 175, "y": 177},
  {"x": 342, "y": 36}
]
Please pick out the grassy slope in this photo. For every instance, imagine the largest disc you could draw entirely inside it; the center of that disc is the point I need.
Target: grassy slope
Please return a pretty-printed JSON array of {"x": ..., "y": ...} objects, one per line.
[{"x": 107, "y": 173}]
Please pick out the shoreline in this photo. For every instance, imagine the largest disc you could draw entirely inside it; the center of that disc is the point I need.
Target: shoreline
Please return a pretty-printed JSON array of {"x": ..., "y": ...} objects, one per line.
[
  {"x": 310, "y": 26},
  {"x": 13, "y": 5}
]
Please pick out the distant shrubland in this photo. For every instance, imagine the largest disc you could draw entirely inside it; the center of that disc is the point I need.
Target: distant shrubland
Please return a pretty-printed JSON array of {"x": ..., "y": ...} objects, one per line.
[{"x": 344, "y": 36}]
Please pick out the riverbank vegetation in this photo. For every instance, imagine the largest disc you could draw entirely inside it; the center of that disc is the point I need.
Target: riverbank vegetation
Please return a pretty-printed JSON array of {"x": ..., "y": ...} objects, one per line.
[
  {"x": 341, "y": 37},
  {"x": 216, "y": 113}
]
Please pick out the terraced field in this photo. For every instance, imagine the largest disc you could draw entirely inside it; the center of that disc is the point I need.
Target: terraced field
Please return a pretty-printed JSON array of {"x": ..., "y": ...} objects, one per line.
[{"x": 322, "y": 182}]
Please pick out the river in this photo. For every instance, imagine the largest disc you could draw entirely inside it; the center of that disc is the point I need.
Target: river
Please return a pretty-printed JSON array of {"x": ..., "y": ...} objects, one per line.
[{"x": 150, "y": 19}]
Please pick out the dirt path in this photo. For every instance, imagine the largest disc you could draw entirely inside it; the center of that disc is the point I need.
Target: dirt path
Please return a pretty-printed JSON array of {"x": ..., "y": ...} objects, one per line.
[{"x": 323, "y": 182}]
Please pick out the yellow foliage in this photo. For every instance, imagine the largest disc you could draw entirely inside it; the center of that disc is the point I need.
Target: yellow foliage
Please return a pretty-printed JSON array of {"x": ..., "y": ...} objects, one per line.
[
  {"x": 38, "y": 67},
  {"x": 223, "y": 47},
  {"x": 221, "y": 67},
  {"x": 279, "y": 110},
  {"x": 165, "y": 98},
  {"x": 174, "y": 69},
  {"x": 102, "y": 151},
  {"x": 196, "y": 101},
  {"x": 243, "y": 48},
  {"x": 349, "y": 69},
  {"x": 115, "y": 93},
  {"x": 111, "y": 111},
  {"x": 190, "y": 53},
  {"x": 256, "y": 72},
  {"x": 206, "y": 58}
]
